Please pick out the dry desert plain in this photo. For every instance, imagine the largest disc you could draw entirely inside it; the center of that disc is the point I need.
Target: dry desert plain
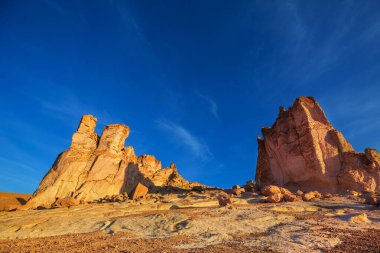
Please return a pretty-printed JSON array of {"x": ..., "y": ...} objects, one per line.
[{"x": 193, "y": 221}]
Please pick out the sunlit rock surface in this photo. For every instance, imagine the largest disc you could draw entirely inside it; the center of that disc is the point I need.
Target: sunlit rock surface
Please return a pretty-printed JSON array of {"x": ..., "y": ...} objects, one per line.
[
  {"x": 303, "y": 151},
  {"x": 95, "y": 167}
]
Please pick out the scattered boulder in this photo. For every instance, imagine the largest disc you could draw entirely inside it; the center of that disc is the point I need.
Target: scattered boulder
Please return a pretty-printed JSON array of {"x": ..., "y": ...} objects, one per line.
[
  {"x": 140, "y": 191},
  {"x": 327, "y": 195},
  {"x": 285, "y": 191},
  {"x": 249, "y": 186},
  {"x": 250, "y": 183},
  {"x": 114, "y": 198},
  {"x": 238, "y": 191},
  {"x": 302, "y": 149},
  {"x": 308, "y": 196},
  {"x": 372, "y": 199},
  {"x": 299, "y": 192},
  {"x": 317, "y": 195},
  {"x": 361, "y": 218},
  {"x": 355, "y": 193},
  {"x": 224, "y": 200},
  {"x": 66, "y": 202},
  {"x": 290, "y": 198},
  {"x": 270, "y": 190},
  {"x": 274, "y": 198}
]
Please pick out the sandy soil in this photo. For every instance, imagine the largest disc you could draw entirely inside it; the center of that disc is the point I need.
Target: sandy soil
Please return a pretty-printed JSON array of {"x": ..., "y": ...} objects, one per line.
[
  {"x": 9, "y": 201},
  {"x": 194, "y": 223}
]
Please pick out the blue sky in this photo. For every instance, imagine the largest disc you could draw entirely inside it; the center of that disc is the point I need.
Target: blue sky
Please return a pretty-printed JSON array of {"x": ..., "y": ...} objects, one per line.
[{"x": 194, "y": 80}]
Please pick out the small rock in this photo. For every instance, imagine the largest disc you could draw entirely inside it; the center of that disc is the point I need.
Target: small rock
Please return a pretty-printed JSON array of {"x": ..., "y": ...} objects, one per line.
[
  {"x": 290, "y": 197},
  {"x": 250, "y": 183},
  {"x": 119, "y": 198},
  {"x": 317, "y": 195},
  {"x": 372, "y": 200},
  {"x": 140, "y": 191},
  {"x": 327, "y": 195},
  {"x": 270, "y": 190},
  {"x": 224, "y": 200},
  {"x": 66, "y": 202},
  {"x": 285, "y": 191},
  {"x": 355, "y": 193},
  {"x": 238, "y": 191},
  {"x": 299, "y": 192},
  {"x": 235, "y": 187},
  {"x": 274, "y": 198},
  {"x": 308, "y": 196},
  {"x": 361, "y": 218},
  {"x": 249, "y": 186}
]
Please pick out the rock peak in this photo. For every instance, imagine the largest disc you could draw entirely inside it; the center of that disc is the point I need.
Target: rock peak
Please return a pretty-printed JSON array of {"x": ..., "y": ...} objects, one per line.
[
  {"x": 85, "y": 139},
  {"x": 93, "y": 168},
  {"x": 305, "y": 99},
  {"x": 302, "y": 150},
  {"x": 87, "y": 124},
  {"x": 113, "y": 138}
]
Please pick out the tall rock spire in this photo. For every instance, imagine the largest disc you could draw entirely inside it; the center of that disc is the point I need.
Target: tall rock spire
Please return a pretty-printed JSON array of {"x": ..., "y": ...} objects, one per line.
[
  {"x": 93, "y": 168},
  {"x": 85, "y": 139}
]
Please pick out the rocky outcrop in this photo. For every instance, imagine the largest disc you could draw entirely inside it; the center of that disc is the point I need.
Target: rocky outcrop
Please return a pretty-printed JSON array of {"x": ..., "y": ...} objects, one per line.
[
  {"x": 94, "y": 167},
  {"x": 303, "y": 151}
]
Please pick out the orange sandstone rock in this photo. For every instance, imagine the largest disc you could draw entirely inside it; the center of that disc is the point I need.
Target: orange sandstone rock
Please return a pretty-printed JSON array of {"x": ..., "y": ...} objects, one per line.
[
  {"x": 274, "y": 198},
  {"x": 66, "y": 202},
  {"x": 224, "y": 200},
  {"x": 308, "y": 196},
  {"x": 270, "y": 190},
  {"x": 94, "y": 167},
  {"x": 303, "y": 151},
  {"x": 140, "y": 191},
  {"x": 361, "y": 218},
  {"x": 290, "y": 197},
  {"x": 238, "y": 191}
]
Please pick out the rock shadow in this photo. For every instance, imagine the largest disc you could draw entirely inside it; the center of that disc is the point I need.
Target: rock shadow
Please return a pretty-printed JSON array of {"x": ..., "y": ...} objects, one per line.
[
  {"x": 133, "y": 176},
  {"x": 336, "y": 206},
  {"x": 22, "y": 201}
]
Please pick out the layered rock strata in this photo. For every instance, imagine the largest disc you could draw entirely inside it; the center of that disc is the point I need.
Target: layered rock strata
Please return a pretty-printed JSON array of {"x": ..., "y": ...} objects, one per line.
[
  {"x": 94, "y": 167},
  {"x": 303, "y": 151}
]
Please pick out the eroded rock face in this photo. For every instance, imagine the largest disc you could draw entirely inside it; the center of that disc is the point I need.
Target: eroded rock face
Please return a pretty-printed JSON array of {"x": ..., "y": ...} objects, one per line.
[
  {"x": 94, "y": 167},
  {"x": 303, "y": 151}
]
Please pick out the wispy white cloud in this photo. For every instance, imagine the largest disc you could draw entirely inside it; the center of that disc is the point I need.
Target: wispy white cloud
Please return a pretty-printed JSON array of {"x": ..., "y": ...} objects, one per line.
[
  {"x": 195, "y": 145},
  {"x": 212, "y": 104},
  {"x": 18, "y": 165},
  {"x": 68, "y": 107},
  {"x": 311, "y": 55}
]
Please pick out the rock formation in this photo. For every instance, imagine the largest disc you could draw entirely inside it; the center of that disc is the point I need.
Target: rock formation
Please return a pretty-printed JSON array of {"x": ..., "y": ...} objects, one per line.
[
  {"x": 303, "y": 151},
  {"x": 94, "y": 167}
]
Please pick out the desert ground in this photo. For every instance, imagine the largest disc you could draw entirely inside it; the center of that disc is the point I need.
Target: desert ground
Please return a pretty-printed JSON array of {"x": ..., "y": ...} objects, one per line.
[
  {"x": 10, "y": 200},
  {"x": 191, "y": 221}
]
